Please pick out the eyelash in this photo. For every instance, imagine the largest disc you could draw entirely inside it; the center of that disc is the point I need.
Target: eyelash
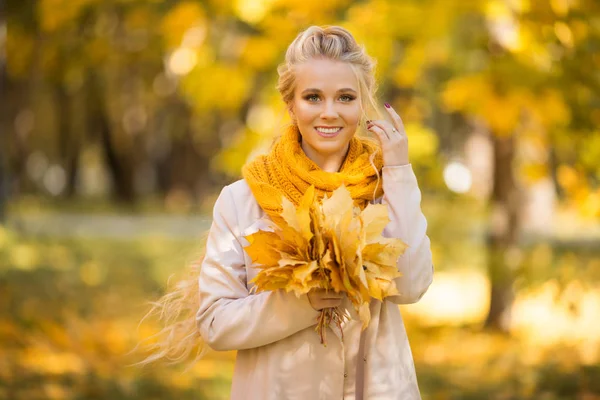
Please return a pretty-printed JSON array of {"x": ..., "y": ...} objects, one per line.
[{"x": 349, "y": 97}]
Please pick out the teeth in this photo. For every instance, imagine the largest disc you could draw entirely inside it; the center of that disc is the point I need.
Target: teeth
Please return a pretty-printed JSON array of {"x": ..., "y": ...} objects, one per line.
[{"x": 328, "y": 130}]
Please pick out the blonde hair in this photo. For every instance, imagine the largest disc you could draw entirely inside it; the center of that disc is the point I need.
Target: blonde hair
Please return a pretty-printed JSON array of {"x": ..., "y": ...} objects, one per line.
[
  {"x": 333, "y": 43},
  {"x": 179, "y": 339},
  {"x": 337, "y": 44}
]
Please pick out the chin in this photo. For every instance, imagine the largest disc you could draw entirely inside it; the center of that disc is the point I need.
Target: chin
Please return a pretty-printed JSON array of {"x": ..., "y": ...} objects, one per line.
[{"x": 331, "y": 147}]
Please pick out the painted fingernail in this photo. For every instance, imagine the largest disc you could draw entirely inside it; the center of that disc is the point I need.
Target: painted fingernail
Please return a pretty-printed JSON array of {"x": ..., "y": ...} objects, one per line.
[{"x": 387, "y": 105}]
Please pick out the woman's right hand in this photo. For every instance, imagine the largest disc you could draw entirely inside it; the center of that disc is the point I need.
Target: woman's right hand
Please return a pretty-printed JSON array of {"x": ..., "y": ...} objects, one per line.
[{"x": 321, "y": 298}]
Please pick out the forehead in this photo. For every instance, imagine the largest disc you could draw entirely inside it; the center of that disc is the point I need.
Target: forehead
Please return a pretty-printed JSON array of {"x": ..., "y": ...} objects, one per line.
[{"x": 326, "y": 75}]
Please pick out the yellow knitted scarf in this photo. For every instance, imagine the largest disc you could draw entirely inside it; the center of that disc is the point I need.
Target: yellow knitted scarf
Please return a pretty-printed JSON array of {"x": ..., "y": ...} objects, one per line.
[{"x": 287, "y": 171}]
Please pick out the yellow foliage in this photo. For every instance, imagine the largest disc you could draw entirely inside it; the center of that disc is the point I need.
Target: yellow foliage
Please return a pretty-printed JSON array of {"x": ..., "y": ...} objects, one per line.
[
  {"x": 56, "y": 14},
  {"x": 580, "y": 30},
  {"x": 217, "y": 86},
  {"x": 179, "y": 19},
  {"x": 464, "y": 93},
  {"x": 568, "y": 177},
  {"x": 49, "y": 58},
  {"x": 591, "y": 205},
  {"x": 411, "y": 15},
  {"x": 590, "y": 152},
  {"x": 140, "y": 18},
  {"x": 259, "y": 53},
  {"x": 328, "y": 244},
  {"x": 550, "y": 109},
  {"x": 533, "y": 172},
  {"x": 502, "y": 113},
  {"x": 313, "y": 9},
  {"x": 424, "y": 142},
  {"x": 43, "y": 360},
  {"x": 560, "y": 7},
  {"x": 474, "y": 94},
  {"x": 19, "y": 52},
  {"x": 97, "y": 51},
  {"x": 409, "y": 71},
  {"x": 252, "y": 11}
]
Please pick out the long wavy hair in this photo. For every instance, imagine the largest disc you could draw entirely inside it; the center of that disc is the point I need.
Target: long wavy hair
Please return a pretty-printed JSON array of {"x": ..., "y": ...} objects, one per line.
[{"x": 179, "y": 338}]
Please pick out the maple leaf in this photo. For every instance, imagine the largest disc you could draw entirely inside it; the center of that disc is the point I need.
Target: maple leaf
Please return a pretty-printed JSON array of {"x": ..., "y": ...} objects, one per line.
[
  {"x": 375, "y": 218},
  {"x": 263, "y": 247},
  {"x": 329, "y": 244}
]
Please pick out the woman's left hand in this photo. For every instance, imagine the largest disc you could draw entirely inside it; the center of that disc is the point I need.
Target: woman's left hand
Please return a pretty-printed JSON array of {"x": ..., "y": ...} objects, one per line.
[{"x": 394, "y": 142}]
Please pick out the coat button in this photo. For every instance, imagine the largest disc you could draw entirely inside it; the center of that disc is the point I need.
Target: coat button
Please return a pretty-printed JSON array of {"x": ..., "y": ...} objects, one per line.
[
  {"x": 345, "y": 375},
  {"x": 365, "y": 359}
]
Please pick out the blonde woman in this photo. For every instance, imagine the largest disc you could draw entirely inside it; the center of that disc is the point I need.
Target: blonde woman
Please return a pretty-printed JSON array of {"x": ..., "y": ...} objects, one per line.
[{"x": 328, "y": 85}]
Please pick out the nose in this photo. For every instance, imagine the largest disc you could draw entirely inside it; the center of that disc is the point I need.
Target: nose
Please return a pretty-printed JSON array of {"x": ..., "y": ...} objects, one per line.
[{"x": 329, "y": 111}]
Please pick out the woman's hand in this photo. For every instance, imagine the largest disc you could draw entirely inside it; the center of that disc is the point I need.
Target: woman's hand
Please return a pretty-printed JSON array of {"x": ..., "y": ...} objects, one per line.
[
  {"x": 394, "y": 142},
  {"x": 320, "y": 298}
]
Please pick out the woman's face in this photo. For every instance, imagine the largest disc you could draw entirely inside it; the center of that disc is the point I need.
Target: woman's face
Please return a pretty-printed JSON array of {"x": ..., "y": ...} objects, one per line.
[{"x": 326, "y": 107}]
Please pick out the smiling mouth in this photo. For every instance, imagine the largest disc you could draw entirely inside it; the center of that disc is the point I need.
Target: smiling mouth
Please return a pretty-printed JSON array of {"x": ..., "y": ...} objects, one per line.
[{"x": 328, "y": 130}]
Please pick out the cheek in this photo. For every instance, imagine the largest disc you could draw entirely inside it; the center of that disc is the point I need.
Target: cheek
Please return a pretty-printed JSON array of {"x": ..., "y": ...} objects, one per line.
[
  {"x": 352, "y": 115},
  {"x": 304, "y": 111}
]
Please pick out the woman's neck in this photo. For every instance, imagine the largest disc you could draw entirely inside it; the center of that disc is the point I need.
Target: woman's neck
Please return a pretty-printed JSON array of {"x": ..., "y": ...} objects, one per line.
[{"x": 327, "y": 162}]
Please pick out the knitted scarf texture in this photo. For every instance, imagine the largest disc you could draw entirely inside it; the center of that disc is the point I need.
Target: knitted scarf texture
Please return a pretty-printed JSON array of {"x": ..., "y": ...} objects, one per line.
[{"x": 287, "y": 171}]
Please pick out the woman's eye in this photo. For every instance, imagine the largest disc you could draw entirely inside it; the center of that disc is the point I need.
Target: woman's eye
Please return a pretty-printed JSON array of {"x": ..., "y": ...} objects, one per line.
[{"x": 344, "y": 98}]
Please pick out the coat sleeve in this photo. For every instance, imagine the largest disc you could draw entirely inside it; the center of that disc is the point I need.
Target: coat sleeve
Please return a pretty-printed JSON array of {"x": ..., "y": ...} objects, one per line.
[
  {"x": 229, "y": 317},
  {"x": 407, "y": 222}
]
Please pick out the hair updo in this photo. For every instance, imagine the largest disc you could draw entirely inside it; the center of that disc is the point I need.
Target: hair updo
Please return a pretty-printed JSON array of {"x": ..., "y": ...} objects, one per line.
[{"x": 333, "y": 43}]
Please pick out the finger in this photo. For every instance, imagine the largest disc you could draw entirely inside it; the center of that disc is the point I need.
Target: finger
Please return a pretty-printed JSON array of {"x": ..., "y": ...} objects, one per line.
[
  {"x": 386, "y": 126},
  {"x": 330, "y": 297},
  {"x": 331, "y": 294},
  {"x": 330, "y": 304},
  {"x": 398, "y": 123},
  {"x": 378, "y": 131}
]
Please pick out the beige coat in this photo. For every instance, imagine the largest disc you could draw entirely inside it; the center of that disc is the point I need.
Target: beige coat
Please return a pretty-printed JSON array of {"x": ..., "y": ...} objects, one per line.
[{"x": 279, "y": 353}]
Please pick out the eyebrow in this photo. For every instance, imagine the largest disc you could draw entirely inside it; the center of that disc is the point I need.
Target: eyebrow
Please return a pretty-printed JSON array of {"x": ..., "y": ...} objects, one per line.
[{"x": 314, "y": 90}]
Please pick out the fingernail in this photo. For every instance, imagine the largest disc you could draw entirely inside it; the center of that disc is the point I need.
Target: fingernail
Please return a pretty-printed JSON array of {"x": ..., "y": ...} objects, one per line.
[{"x": 387, "y": 105}]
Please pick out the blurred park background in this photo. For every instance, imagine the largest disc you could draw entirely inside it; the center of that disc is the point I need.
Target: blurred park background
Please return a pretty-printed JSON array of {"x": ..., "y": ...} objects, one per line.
[{"x": 122, "y": 119}]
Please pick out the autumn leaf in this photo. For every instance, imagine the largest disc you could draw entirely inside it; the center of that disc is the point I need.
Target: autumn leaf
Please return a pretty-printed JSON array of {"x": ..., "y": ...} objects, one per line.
[
  {"x": 303, "y": 214},
  {"x": 375, "y": 218},
  {"x": 329, "y": 244},
  {"x": 263, "y": 247}
]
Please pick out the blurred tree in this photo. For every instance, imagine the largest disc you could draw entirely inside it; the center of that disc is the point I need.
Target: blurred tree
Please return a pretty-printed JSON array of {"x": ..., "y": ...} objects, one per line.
[
  {"x": 523, "y": 91},
  {"x": 3, "y": 140},
  {"x": 177, "y": 95}
]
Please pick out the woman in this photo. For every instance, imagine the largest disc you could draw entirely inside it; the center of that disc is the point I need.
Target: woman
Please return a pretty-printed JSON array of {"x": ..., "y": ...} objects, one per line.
[{"x": 327, "y": 84}]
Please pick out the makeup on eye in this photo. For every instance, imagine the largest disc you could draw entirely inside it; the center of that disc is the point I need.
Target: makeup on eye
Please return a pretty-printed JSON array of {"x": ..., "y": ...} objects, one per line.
[{"x": 315, "y": 96}]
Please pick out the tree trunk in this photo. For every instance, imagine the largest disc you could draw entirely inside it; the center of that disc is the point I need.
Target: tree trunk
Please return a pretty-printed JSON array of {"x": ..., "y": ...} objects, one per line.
[
  {"x": 3, "y": 127},
  {"x": 69, "y": 143},
  {"x": 503, "y": 236},
  {"x": 119, "y": 166},
  {"x": 3, "y": 190}
]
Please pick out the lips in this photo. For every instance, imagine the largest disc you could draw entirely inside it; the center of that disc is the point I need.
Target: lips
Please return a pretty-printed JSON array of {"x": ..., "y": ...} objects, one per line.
[{"x": 328, "y": 132}]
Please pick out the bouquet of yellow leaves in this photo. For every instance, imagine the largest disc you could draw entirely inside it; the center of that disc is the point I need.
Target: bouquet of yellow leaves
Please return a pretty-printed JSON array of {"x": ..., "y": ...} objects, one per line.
[{"x": 328, "y": 244}]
